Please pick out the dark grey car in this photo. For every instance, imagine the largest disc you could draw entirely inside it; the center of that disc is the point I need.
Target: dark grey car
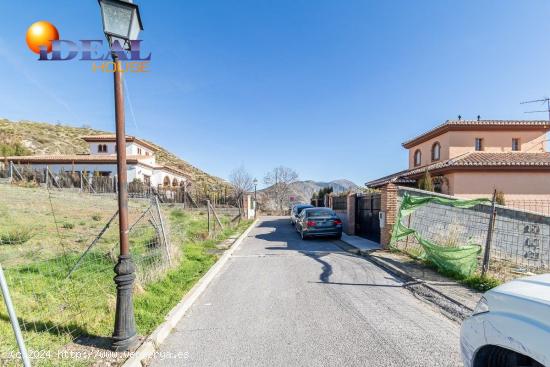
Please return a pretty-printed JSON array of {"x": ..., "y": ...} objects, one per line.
[
  {"x": 296, "y": 210},
  {"x": 319, "y": 222}
]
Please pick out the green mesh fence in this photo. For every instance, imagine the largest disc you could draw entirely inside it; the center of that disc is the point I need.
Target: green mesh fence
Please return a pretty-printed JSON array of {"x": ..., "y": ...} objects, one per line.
[{"x": 460, "y": 259}]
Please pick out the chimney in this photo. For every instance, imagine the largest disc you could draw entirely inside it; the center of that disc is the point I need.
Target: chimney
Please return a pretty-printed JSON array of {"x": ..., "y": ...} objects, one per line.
[
  {"x": 478, "y": 117},
  {"x": 459, "y": 117}
]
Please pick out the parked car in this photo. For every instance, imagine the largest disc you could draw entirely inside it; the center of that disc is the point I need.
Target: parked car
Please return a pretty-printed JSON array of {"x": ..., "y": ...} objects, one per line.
[
  {"x": 319, "y": 222},
  {"x": 296, "y": 210},
  {"x": 510, "y": 326}
]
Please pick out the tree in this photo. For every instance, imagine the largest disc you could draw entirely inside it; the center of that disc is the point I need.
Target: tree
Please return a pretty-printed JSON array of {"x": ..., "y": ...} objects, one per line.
[
  {"x": 241, "y": 180},
  {"x": 280, "y": 179},
  {"x": 426, "y": 183}
]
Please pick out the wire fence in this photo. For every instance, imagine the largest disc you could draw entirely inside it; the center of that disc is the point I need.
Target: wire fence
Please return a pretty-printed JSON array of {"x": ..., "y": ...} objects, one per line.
[
  {"x": 94, "y": 182},
  {"x": 520, "y": 242},
  {"x": 58, "y": 250}
]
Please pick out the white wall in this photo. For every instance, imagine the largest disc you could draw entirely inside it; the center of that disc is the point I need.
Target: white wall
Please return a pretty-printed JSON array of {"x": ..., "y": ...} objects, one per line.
[
  {"x": 131, "y": 149},
  {"x": 136, "y": 149},
  {"x": 159, "y": 175}
]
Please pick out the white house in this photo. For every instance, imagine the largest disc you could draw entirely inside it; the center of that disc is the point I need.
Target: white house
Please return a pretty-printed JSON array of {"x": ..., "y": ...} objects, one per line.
[{"x": 102, "y": 161}]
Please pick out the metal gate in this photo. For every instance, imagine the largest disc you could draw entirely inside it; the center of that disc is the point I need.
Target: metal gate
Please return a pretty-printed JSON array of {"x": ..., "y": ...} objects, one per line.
[{"x": 367, "y": 221}]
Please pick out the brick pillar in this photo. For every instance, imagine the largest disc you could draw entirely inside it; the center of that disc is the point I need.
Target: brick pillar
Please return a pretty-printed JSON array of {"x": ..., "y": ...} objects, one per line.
[
  {"x": 389, "y": 207},
  {"x": 351, "y": 214}
]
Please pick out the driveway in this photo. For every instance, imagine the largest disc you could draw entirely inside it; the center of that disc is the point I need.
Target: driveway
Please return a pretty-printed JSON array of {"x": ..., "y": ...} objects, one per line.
[{"x": 281, "y": 301}]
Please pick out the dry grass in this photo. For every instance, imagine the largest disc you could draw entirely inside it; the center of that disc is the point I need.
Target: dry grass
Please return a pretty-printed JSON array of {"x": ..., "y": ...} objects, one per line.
[{"x": 52, "y": 307}]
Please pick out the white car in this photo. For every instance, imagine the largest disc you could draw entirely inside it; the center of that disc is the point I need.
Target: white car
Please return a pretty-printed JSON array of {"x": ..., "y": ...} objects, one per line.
[{"x": 510, "y": 326}]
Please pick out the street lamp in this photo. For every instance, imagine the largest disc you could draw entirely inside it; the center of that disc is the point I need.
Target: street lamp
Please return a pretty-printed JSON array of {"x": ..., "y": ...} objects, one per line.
[
  {"x": 121, "y": 22},
  {"x": 255, "y": 182}
]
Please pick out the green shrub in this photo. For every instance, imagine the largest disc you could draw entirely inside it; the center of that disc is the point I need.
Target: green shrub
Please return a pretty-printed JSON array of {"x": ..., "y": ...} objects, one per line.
[
  {"x": 426, "y": 182},
  {"x": 96, "y": 217},
  {"x": 481, "y": 283},
  {"x": 67, "y": 225},
  {"x": 16, "y": 236}
]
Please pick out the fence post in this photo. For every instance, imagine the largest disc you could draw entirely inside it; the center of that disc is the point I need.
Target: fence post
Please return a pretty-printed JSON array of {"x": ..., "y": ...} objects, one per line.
[
  {"x": 166, "y": 243},
  {"x": 11, "y": 171},
  {"x": 81, "y": 183},
  {"x": 486, "y": 255},
  {"x": 13, "y": 319},
  {"x": 208, "y": 215}
]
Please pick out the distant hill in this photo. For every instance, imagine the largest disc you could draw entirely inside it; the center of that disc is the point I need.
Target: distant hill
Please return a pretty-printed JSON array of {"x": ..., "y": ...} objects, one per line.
[
  {"x": 45, "y": 138},
  {"x": 303, "y": 190}
]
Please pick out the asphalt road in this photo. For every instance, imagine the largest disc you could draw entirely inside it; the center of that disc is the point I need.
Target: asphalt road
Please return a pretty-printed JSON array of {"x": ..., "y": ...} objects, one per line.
[{"x": 281, "y": 301}]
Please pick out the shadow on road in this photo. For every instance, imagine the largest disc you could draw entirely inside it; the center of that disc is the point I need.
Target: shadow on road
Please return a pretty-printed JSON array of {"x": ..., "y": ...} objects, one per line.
[{"x": 315, "y": 249}]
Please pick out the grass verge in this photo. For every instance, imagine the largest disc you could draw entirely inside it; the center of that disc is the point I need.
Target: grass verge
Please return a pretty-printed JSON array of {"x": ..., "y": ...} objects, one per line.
[{"x": 46, "y": 300}]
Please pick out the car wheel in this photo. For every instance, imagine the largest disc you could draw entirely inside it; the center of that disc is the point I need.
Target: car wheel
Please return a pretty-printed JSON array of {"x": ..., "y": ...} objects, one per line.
[{"x": 338, "y": 236}]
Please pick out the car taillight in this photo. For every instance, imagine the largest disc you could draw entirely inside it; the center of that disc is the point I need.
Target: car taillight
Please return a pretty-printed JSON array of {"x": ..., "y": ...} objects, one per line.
[
  {"x": 311, "y": 223},
  {"x": 337, "y": 221}
]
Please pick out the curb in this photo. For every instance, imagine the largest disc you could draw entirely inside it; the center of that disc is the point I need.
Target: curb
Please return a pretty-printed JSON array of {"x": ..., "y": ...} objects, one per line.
[
  {"x": 153, "y": 341},
  {"x": 450, "y": 307}
]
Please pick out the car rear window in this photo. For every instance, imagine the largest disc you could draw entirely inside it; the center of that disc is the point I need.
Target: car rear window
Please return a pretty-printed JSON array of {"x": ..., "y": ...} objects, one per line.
[
  {"x": 300, "y": 208},
  {"x": 319, "y": 213}
]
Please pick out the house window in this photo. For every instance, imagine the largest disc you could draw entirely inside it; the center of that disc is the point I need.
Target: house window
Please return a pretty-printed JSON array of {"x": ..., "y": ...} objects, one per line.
[
  {"x": 515, "y": 144},
  {"x": 436, "y": 151},
  {"x": 479, "y": 144},
  {"x": 417, "y": 157},
  {"x": 102, "y": 148},
  {"x": 139, "y": 151}
]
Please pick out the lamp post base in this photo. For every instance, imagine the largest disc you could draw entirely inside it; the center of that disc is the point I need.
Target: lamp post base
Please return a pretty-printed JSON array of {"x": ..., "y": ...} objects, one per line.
[{"x": 125, "y": 335}]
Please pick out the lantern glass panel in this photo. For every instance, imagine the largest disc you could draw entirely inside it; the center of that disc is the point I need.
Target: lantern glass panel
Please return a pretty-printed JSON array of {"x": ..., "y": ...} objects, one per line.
[{"x": 117, "y": 19}]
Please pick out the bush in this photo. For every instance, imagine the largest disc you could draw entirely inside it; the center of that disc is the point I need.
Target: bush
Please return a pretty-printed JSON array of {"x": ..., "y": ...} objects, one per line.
[
  {"x": 96, "y": 217},
  {"x": 499, "y": 198},
  {"x": 17, "y": 236},
  {"x": 481, "y": 283},
  {"x": 67, "y": 225},
  {"x": 426, "y": 182}
]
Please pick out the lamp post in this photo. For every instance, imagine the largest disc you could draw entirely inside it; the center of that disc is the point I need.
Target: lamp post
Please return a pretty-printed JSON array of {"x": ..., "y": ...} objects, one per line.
[
  {"x": 121, "y": 24},
  {"x": 255, "y": 182}
]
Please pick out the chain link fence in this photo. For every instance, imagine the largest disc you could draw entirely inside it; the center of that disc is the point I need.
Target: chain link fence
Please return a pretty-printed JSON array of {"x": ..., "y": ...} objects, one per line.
[{"x": 520, "y": 243}]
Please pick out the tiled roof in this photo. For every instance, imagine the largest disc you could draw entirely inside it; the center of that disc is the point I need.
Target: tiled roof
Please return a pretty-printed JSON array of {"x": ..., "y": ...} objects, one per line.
[
  {"x": 504, "y": 159},
  {"x": 477, "y": 124},
  {"x": 112, "y": 138},
  {"x": 470, "y": 160},
  {"x": 103, "y": 158}
]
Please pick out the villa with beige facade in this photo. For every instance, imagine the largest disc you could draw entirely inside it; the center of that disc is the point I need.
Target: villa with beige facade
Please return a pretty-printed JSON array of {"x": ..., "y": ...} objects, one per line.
[
  {"x": 472, "y": 158},
  {"x": 102, "y": 160}
]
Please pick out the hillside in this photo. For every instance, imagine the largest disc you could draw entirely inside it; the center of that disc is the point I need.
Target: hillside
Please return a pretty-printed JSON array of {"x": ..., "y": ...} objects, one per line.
[
  {"x": 44, "y": 138},
  {"x": 303, "y": 190}
]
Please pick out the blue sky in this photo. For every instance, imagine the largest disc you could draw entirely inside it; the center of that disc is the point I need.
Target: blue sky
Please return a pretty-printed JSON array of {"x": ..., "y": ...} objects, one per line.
[{"x": 329, "y": 88}]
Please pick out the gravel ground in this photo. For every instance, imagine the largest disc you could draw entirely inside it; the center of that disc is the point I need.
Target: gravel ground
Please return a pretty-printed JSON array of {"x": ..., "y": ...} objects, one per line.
[{"x": 281, "y": 301}]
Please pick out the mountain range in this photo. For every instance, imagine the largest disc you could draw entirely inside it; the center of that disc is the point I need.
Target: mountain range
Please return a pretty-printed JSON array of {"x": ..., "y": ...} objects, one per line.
[{"x": 303, "y": 190}]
